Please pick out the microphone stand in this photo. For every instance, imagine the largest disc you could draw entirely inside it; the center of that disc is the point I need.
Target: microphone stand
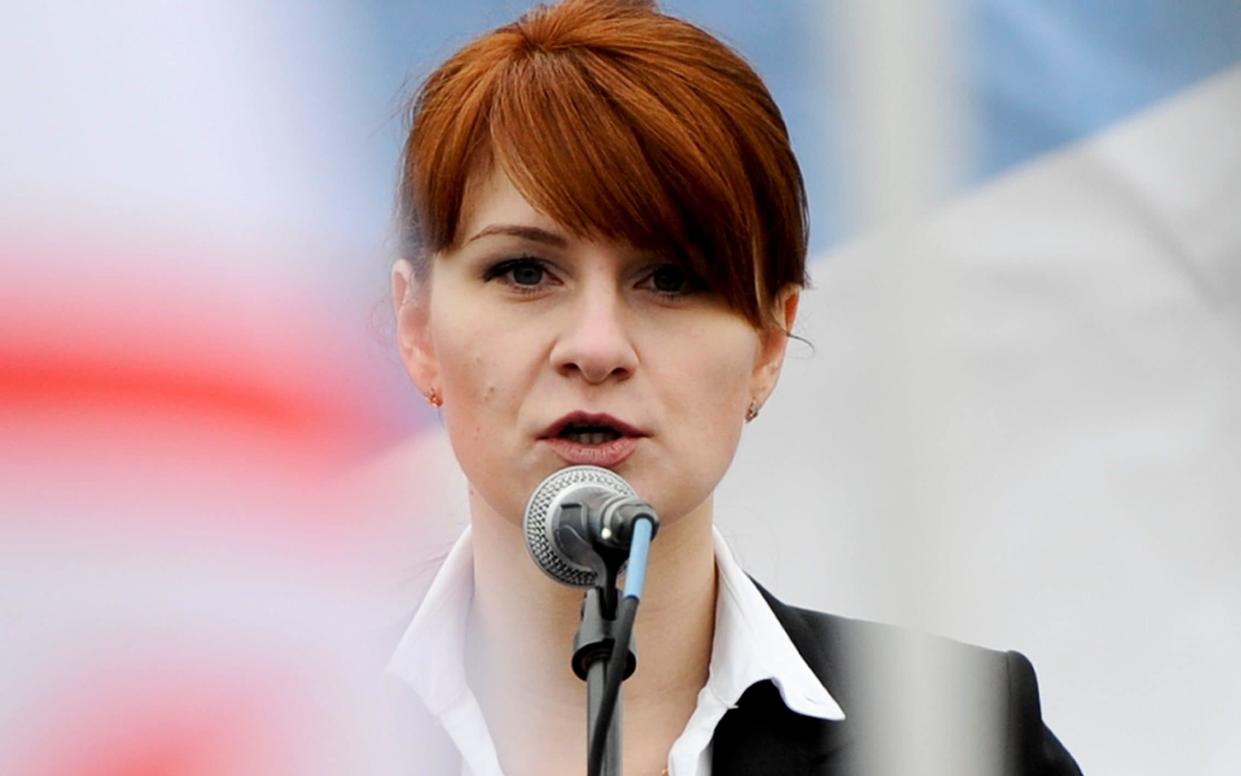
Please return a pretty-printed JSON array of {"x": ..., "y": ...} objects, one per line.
[
  {"x": 619, "y": 531},
  {"x": 592, "y": 649}
]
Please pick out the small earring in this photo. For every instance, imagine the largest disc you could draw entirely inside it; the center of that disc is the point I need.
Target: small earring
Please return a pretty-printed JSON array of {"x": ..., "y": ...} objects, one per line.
[
  {"x": 433, "y": 398},
  {"x": 751, "y": 412}
]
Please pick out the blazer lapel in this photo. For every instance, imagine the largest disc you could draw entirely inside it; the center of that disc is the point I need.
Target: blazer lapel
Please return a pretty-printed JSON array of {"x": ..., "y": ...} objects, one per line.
[{"x": 763, "y": 737}]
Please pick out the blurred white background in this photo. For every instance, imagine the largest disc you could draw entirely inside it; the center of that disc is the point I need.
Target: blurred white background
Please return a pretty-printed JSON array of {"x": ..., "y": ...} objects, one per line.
[{"x": 1019, "y": 424}]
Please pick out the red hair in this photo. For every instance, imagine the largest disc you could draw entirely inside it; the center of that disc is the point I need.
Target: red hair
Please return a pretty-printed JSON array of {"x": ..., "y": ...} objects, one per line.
[{"x": 620, "y": 123}]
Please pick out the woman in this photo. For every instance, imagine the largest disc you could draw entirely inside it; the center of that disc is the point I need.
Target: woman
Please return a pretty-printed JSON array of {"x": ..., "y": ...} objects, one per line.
[{"x": 605, "y": 245}]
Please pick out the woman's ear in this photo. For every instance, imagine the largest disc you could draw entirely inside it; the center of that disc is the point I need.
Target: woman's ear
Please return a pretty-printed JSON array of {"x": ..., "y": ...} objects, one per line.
[
  {"x": 411, "y": 304},
  {"x": 773, "y": 341}
]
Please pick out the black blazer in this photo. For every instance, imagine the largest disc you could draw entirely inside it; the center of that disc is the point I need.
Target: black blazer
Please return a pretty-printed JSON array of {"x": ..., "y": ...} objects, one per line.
[{"x": 955, "y": 710}]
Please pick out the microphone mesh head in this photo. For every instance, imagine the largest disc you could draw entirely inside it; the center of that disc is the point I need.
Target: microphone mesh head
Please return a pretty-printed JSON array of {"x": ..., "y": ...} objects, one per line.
[{"x": 537, "y": 521}]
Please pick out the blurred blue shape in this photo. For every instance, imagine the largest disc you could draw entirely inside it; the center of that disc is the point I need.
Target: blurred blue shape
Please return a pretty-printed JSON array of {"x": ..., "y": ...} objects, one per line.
[{"x": 1052, "y": 72}]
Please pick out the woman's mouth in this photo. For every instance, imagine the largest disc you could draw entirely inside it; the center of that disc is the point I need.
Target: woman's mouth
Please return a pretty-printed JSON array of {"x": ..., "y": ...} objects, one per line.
[{"x": 597, "y": 440}]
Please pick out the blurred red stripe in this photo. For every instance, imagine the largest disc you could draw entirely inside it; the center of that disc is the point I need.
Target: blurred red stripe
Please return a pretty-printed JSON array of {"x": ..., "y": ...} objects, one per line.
[
  {"x": 147, "y": 323},
  {"x": 174, "y": 713},
  {"x": 139, "y": 378},
  {"x": 43, "y": 378}
]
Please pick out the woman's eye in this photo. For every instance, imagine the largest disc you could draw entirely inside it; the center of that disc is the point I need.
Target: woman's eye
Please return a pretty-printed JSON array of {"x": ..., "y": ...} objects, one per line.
[
  {"x": 522, "y": 274},
  {"x": 671, "y": 280},
  {"x": 526, "y": 274}
]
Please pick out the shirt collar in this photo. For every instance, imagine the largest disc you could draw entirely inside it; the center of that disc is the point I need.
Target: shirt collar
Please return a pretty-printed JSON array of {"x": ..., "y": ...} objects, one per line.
[
  {"x": 431, "y": 654},
  {"x": 750, "y": 646},
  {"x": 430, "y": 658}
]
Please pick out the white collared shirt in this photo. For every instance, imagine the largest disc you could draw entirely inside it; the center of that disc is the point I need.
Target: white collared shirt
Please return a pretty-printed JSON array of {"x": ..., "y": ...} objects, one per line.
[{"x": 749, "y": 646}]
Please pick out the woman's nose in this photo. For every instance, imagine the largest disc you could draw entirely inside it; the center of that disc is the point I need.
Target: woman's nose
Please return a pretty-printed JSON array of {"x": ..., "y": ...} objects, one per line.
[{"x": 596, "y": 342}]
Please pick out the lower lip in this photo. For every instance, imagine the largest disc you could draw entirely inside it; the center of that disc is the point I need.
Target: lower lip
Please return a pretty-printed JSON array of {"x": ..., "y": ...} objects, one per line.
[{"x": 606, "y": 454}]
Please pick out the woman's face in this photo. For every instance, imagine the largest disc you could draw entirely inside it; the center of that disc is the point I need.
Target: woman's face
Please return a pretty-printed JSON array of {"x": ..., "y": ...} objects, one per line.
[{"x": 550, "y": 350}]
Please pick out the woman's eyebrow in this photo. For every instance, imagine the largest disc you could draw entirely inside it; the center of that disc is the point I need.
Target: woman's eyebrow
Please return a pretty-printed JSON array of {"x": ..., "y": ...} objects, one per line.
[{"x": 532, "y": 233}]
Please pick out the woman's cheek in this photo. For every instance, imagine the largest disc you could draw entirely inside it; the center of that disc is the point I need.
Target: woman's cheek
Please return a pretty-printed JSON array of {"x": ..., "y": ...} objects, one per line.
[{"x": 727, "y": 374}]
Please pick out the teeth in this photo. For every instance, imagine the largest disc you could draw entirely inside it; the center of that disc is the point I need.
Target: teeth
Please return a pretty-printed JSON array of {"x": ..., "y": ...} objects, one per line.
[{"x": 592, "y": 437}]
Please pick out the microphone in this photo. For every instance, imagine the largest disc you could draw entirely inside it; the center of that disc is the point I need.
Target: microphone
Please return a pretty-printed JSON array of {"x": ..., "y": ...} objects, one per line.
[
  {"x": 579, "y": 518},
  {"x": 581, "y": 525}
]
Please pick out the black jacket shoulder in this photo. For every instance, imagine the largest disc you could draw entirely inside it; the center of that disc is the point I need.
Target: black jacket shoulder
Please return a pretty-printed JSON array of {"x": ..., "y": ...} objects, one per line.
[{"x": 914, "y": 704}]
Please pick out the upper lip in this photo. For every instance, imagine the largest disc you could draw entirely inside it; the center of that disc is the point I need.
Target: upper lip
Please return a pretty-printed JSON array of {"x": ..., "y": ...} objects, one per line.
[{"x": 591, "y": 419}]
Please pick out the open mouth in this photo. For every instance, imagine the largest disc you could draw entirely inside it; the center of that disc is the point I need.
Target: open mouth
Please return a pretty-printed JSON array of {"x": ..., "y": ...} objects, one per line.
[
  {"x": 593, "y": 438},
  {"x": 589, "y": 433}
]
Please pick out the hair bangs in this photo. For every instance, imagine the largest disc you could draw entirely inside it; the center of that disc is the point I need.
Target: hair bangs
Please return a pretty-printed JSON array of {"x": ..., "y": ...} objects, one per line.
[{"x": 605, "y": 157}]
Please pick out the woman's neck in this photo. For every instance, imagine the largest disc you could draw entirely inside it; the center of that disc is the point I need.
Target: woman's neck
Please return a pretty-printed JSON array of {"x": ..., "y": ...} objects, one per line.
[{"x": 521, "y": 633}]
